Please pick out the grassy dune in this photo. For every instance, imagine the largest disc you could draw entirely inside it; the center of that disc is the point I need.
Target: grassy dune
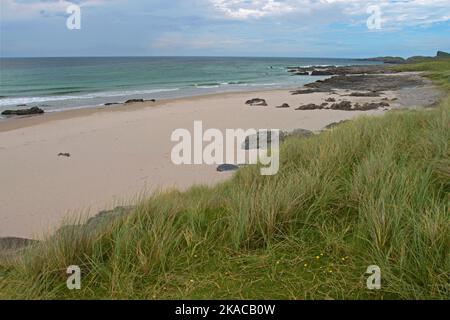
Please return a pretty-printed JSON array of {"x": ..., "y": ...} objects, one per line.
[{"x": 374, "y": 191}]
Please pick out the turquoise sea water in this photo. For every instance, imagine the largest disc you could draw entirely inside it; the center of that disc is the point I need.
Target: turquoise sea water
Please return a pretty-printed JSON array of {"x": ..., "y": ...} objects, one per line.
[{"x": 61, "y": 83}]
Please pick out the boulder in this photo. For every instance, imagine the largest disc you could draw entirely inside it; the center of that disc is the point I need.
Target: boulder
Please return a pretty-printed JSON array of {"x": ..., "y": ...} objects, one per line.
[
  {"x": 330, "y": 100},
  {"x": 284, "y": 105},
  {"x": 227, "y": 167},
  {"x": 23, "y": 112},
  {"x": 256, "y": 102},
  {"x": 67, "y": 155}
]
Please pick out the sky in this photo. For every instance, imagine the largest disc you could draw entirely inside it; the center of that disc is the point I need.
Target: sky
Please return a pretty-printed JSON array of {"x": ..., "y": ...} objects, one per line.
[{"x": 278, "y": 28}]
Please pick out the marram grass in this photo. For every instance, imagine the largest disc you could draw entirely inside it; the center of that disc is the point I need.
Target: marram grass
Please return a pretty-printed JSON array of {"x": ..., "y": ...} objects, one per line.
[{"x": 374, "y": 191}]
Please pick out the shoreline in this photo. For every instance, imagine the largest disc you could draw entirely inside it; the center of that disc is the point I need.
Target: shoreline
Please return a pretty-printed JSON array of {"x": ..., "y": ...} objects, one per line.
[
  {"x": 18, "y": 122},
  {"x": 120, "y": 154}
]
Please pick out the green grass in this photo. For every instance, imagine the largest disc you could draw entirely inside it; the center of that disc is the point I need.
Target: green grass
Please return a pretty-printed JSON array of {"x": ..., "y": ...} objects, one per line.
[
  {"x": 374, "y": 191},
  {"x": 438, "y": 71}
]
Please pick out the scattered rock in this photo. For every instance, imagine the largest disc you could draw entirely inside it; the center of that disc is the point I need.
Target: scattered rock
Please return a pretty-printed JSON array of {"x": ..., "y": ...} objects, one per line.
[
  {"x": 323, "y": 105},
  {"x": 227, "y": 167},
  {"x": 365, "y": 94},
  {"x": 310, "y": 106},
  {"x": 22, "y": 105},
  {"x": 23, "y": 112},
  {"x": 371, "y": 106},
  {"x": 134, "y": 101},
  {"x": 330, "y": 100},
  {"x": 64, "y": 155},
  {"x": 343, "y": 105},
  {"x": 257, "y": 102},
  {"x": 284, "y": 105},
  {"x": 304, "y": 91},
  {"x": 111, "y": 103}
]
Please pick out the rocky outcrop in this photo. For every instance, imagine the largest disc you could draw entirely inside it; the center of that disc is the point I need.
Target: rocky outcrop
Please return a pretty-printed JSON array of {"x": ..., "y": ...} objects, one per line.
[
  {"x": 343, "y": 70},
  {"x": 442, "y": 54},
  {"x": 371, "y": 83},
  {"x": 345, "y": 106},
  {"x": 322, "y": 73},
  {"x": 284, "y": 105},
  {"x": 365, "y": 94},
  {"x": 23, "y": 112},
  {"x": 256, "y": 102}
]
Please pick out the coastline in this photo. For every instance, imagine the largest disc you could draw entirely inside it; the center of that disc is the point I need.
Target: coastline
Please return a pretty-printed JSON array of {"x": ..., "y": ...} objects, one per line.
[{"x": 120, "y": 154}]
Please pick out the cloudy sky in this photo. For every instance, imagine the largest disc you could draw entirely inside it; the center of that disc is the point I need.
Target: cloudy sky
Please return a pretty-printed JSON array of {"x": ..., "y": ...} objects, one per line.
[{"x": 299, "y": 28}]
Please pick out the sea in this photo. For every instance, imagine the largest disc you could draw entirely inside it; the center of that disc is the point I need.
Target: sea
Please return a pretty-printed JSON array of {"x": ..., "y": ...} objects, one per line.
[{"x": 56, "y": 84}]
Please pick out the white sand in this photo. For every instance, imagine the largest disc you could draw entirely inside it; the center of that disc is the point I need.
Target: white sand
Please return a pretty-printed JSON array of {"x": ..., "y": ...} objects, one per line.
[{"x": 119, "y": 153}]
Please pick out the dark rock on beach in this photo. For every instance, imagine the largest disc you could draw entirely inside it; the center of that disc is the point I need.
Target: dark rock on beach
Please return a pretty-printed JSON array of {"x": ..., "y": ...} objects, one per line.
[
  {"x": 134, "y": 101},
  {"x": 23, "y": 112},
  {"x": 310, "y": 106},
  {"x": 256, "y": 102},
  {"x": 111, "y": 104},
  {"x": 67, "y": 155},
  {"x": 304, "y": 91},
  {"x": 343, "y": 105},
  {"x": 284, "y": 105},
  {"x": 227, "y": 167}
]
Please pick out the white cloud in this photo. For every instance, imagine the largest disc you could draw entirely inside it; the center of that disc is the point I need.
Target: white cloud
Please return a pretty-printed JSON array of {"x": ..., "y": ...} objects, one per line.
[
  {"x": 394, "y": 13},
  {"x": 16, "y": 10},
  {"x": 244, "y": 9}
]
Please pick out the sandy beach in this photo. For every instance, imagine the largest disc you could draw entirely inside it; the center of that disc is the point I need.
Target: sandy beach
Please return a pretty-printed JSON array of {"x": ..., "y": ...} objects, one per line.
[{"x": 121, "y": 153}]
